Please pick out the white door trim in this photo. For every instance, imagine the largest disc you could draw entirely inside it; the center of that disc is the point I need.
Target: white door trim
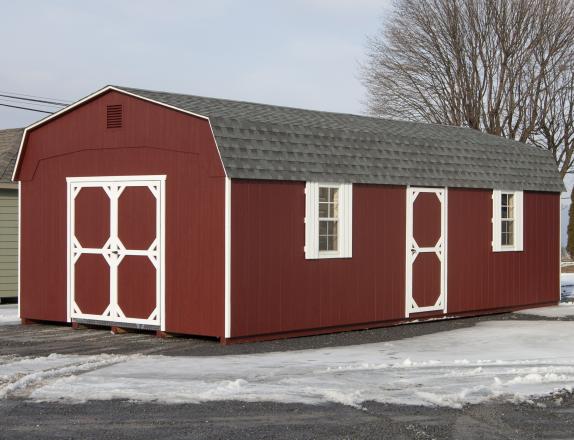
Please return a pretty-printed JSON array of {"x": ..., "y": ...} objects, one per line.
[
  {"x": 413, "y": 250},
  {"x": 114, "y": 251},
  {"x": 227, "y": 214}
]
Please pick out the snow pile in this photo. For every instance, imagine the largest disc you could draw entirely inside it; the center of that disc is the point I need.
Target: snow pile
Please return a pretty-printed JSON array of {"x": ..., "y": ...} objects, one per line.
[
  {"x": 559, "y": 311},
  {"x": 9, "y": 314},
  {"x": 21, "y": 375},
  {"x": 508, "y": 359},
  {"x": 567, "y": 287}
]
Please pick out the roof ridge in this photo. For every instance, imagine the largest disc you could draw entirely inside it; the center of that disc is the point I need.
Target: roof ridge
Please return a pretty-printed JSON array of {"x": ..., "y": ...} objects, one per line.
[{"x": 326, "y": 112}]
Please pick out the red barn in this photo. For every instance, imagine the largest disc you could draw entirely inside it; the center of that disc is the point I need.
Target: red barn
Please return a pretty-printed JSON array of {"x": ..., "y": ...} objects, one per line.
[{"x": 245, "y": 221}]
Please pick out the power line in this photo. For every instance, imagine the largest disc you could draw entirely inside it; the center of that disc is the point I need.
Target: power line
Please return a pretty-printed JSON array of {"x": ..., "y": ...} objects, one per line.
[
  {"x": 34, "y": 96},
  {"x": 48, "y": 107},
  {"x": 35, "y": 100},
  {"x": 26, "y": 108}
]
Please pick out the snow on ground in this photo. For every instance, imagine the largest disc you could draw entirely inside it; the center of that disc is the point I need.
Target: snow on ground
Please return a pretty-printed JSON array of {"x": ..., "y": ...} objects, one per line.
[
  {"x": 9, "y": 314},
  {"x": 559, "y": 311},
  {"x": 509, "y": 359},
  {"x": 567, "y": 287}
]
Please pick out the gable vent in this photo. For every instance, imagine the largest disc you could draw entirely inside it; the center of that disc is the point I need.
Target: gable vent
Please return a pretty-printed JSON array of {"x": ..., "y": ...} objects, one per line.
[{"x": 115, "y": 116}]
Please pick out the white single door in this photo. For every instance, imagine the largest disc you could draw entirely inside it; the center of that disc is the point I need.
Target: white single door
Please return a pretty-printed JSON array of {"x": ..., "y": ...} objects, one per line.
[{"x": 426, "y": 250}]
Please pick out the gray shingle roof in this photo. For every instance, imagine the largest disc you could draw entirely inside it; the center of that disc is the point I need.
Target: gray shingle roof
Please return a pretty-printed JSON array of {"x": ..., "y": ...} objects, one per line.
[
  {"x": 259, "y": 141},
  {"x": 9, "y": 145}
]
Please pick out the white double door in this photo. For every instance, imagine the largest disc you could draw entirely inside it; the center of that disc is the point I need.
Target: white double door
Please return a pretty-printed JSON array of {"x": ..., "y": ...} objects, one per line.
[{"x": 116, "y": 250}]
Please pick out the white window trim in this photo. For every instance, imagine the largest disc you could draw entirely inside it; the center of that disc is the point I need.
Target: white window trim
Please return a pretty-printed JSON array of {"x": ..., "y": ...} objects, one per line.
[
  {"x": 345, "y": 226},
  {"x": 518, "y": 221}
]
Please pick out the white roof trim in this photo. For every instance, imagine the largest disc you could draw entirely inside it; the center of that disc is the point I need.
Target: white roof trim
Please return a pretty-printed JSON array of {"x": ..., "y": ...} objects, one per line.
[{"x": 89, "y": 97}]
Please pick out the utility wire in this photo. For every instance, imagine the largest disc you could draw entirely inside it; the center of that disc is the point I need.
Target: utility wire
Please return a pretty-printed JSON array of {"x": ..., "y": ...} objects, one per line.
[
  {"x": 26, "y": 108},
  {"x": 48, "y": 107},
  {"x": 34, "y": 96},
  {"x": 35, "y": 100}
]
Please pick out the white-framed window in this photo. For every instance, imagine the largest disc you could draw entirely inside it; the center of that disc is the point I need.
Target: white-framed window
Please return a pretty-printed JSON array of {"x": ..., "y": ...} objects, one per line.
[
  {"x": 507, "y": 221},
  {"x": 328, "y": 220}
]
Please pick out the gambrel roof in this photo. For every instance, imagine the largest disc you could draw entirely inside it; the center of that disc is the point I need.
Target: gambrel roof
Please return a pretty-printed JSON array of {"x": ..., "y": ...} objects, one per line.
[{"x": 259, "y": 141}]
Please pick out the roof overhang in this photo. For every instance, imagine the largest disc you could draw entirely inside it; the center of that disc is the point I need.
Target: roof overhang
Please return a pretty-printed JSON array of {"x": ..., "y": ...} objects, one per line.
[{"x": 81, "y": 102}]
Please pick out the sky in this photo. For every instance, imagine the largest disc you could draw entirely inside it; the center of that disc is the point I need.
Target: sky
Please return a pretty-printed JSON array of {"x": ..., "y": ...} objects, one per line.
[{"x": 302, "y": 53}]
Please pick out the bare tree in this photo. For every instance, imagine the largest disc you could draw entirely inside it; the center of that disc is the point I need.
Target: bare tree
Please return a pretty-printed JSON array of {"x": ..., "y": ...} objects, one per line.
[
  {"x": 505, "y": 67},
  {"x": 486, "y": 64}
]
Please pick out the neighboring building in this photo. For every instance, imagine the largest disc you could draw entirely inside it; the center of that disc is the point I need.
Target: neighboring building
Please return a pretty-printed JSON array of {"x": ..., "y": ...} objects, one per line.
[
  {"x": 9, "y": 144},
  {"x": 245, "y": 221}
]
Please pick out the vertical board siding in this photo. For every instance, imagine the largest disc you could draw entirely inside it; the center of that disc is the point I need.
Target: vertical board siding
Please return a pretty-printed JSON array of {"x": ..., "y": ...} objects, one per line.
[
  {"x": 480, "y": 279},
  {"x": 275, "y": 289},
  {"x": 154, "y": 140},
  {"x": 8, "y": 243}
]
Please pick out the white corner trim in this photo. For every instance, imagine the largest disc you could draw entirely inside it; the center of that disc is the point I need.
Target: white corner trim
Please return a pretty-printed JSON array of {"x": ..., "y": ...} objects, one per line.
[
  {"x": 19, "y": 247},
  {"x": 227, "y": 257},
  {"x": 518, "y": 221},
  {"x": 312, "y": 221},
  {"x": 217, "y": 147},
  {"x": 445, "y": 248},
  {"x": 559, "y": 244},
  {"x": 408, "y": 262},
  {"x": 162, "y": 252},
  {"x": 84, "y": 100},
  {"x": 69, "y": 263}
]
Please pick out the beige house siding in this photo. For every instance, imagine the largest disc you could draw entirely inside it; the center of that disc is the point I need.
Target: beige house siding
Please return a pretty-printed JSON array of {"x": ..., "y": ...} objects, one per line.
[{"x": 8, "y": 243}]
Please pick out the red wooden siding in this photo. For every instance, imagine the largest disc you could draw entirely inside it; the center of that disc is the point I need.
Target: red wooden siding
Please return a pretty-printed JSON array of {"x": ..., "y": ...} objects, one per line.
[
  {"x": 153, "y": 140},
  {"x": 479, "y": 279},
  {"x": 426, "y": 279},
  {"x": 92, "y": 222},
  {"x": 136, "y": 286},
  {"x": 275, "y": 289},
  {"x": 92, "y": 278},
  {"x": 136, "y": 218},
  {"x": 427, "y": 214}
]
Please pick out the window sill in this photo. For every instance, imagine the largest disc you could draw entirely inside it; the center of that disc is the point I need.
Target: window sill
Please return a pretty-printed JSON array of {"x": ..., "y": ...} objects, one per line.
[
  {"x": 507, "y": 249},
  {"x": 328, "y": 256}
]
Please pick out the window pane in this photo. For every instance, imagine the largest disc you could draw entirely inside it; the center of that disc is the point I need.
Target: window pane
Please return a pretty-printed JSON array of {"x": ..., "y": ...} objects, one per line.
[
  {"x": 335, "y": 206},
  {"x": 323, "y": 194},
  {"x": 328, "y": 236},
  {"x": 332, "y": 242},
  {"x": 507, "y": 206},
  {"x": 328, "y": 202},
  {"x": 507, "y": 233}
]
